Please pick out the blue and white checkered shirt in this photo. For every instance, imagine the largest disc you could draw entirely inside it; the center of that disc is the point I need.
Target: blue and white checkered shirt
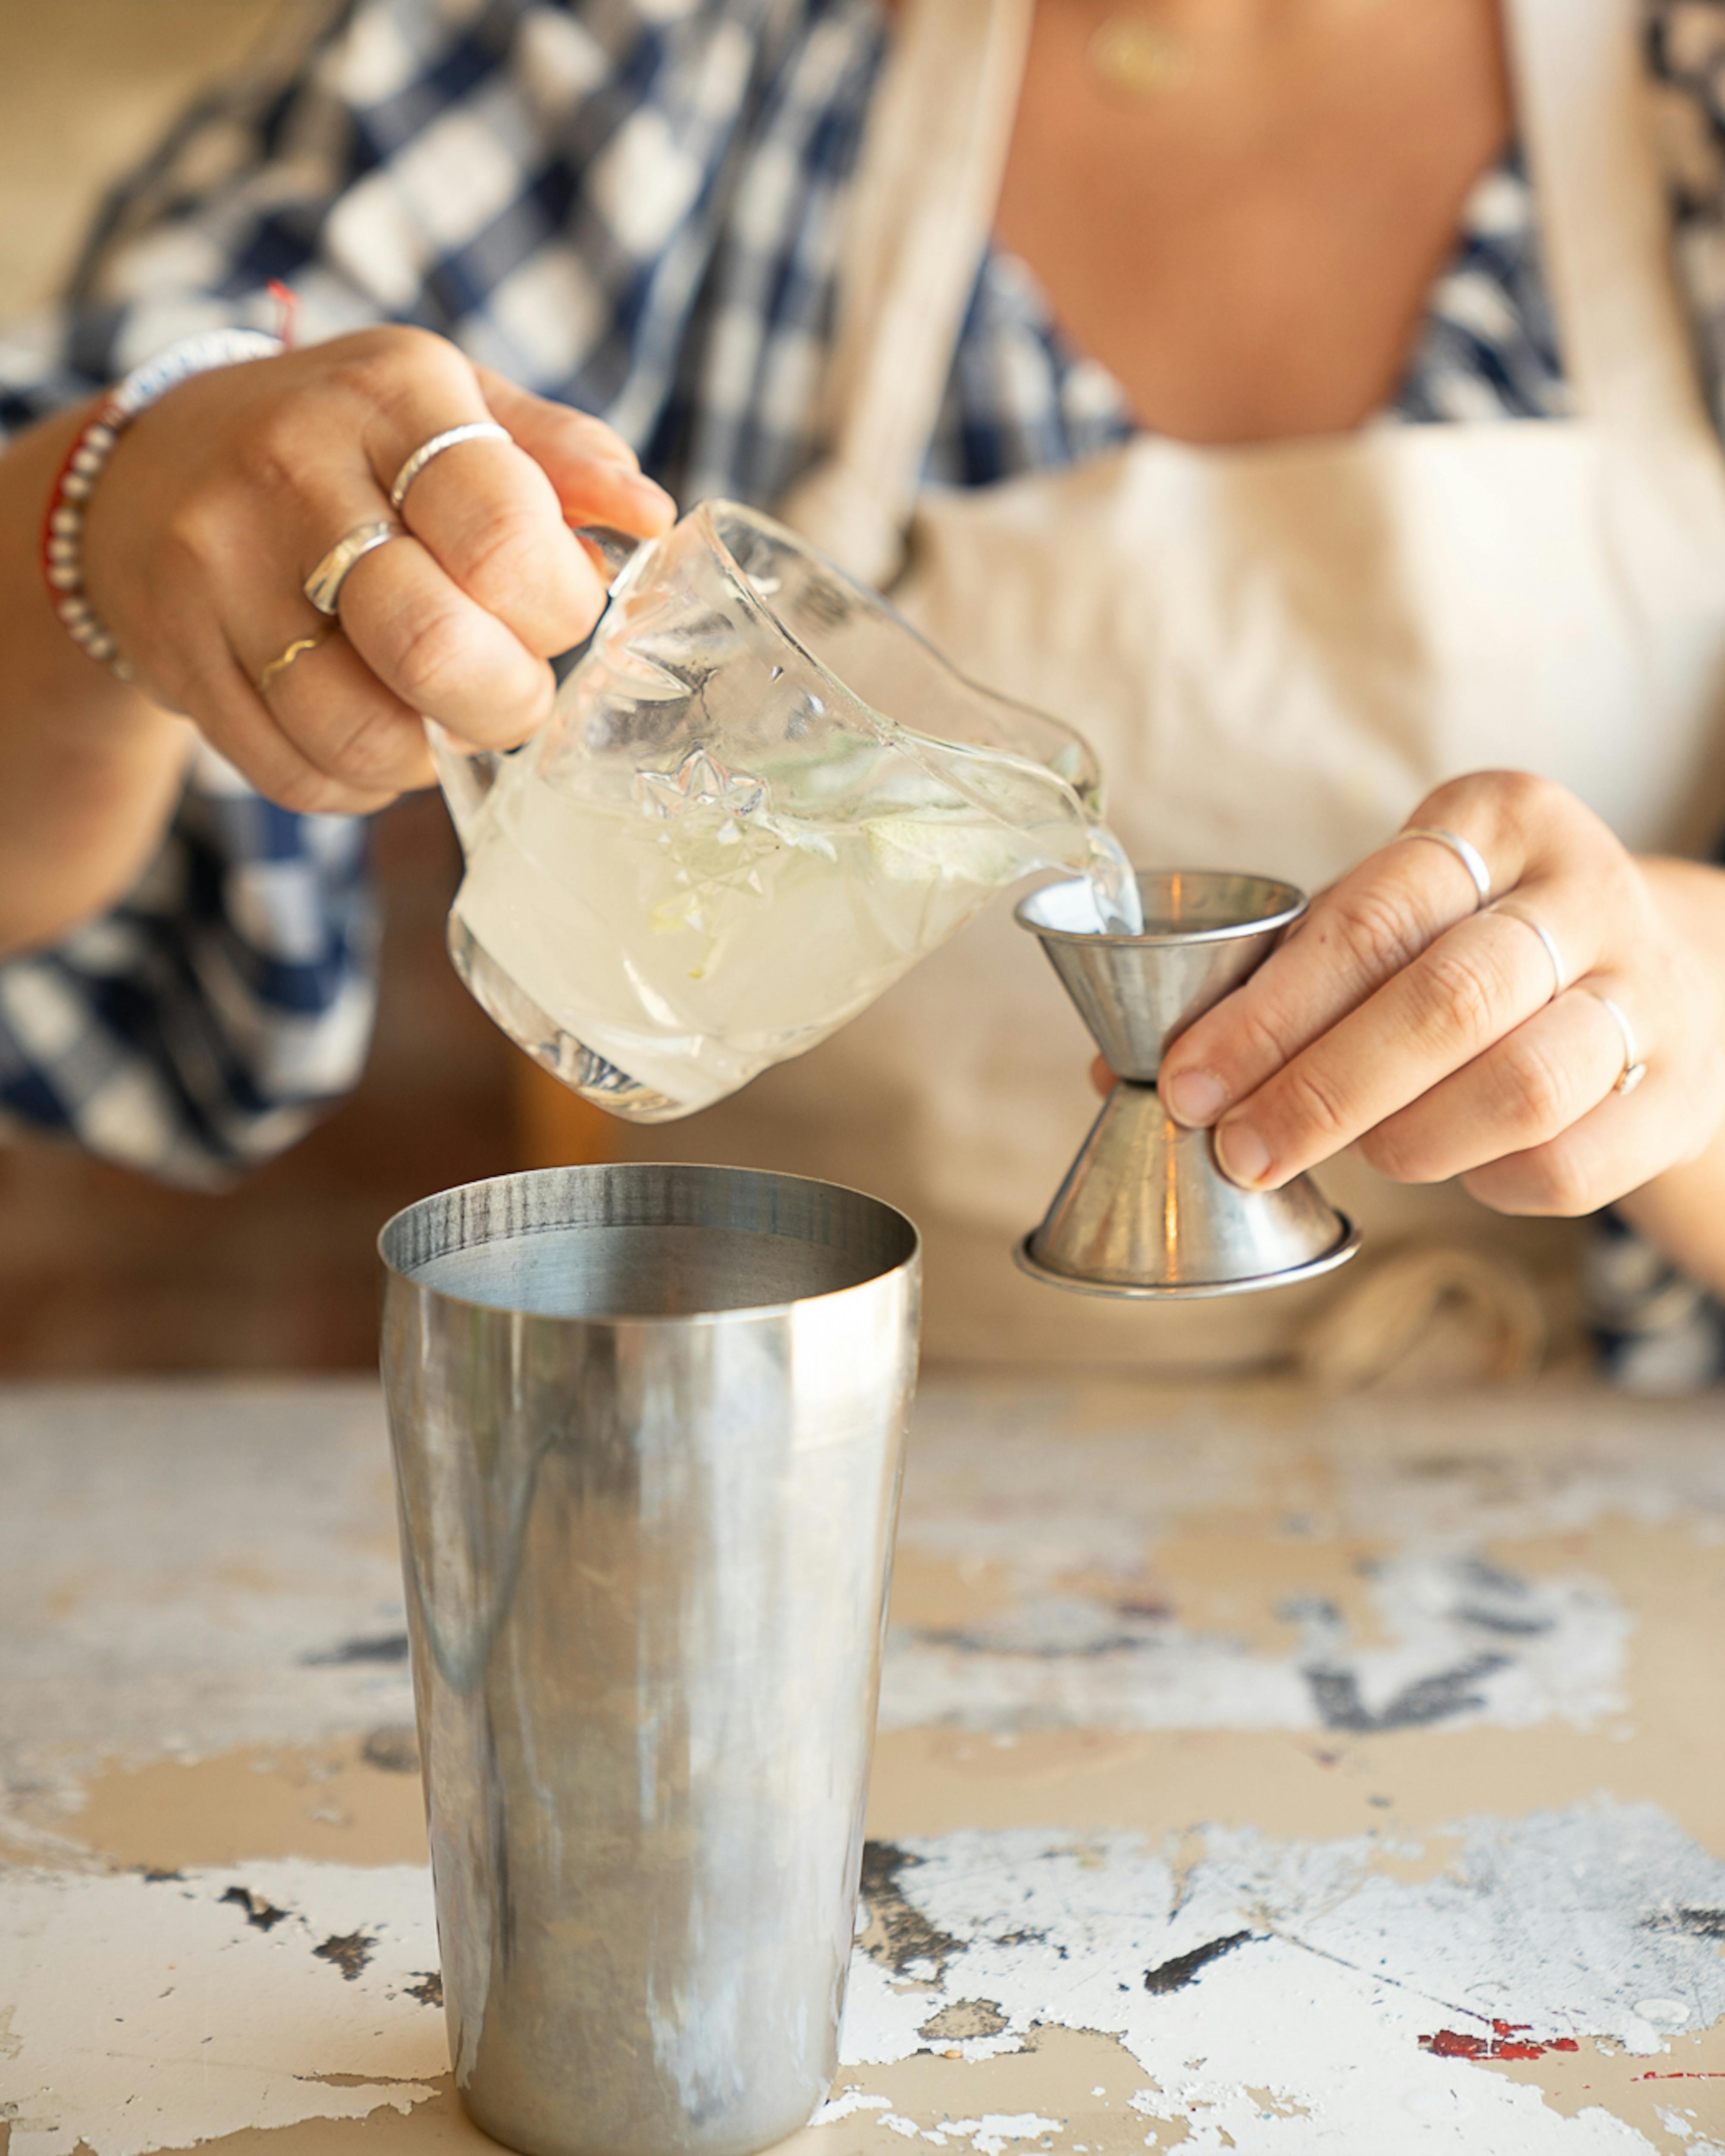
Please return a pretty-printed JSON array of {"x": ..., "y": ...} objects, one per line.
[{"x": 633, "y": 205}]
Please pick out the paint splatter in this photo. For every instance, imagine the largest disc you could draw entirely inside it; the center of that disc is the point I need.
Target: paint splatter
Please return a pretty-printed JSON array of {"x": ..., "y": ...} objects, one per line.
[
  {"x": 1699, "y": 1924},
  {"x": 964, "y": 2018},
  {"x": 1345, "y": 2010},
  {"x": 1175, "y": 1975},
  {"x": 384, "y": 1647},
  {"x": 1441, "y": 1695},
  {"x": 1508, "y": 2040},
  {"x": 258, "y": 1913},
  {"x": 907, "y": 1943},
  {"x": 1467, "y": 1642},
  {"x": 350, "y": 1951}
]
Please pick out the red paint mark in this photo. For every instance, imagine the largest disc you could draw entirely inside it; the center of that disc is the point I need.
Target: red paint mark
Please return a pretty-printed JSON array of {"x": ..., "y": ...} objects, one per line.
[
  {"x": 1448, "y": 2045},
  {"x": 287, "y": 309},
  {"x": 1690, "y": 2076},
  {"x": 1507, "y": 2040}
]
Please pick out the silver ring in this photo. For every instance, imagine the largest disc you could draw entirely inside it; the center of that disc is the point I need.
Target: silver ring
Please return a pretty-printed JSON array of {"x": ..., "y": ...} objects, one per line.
[
  {"x": 323, "y": 586},
  {"x": 1560, "y": 979},
  {"x": 475, "y": 430},
  {"x": 1466, "y": 853},
  {"x": 1634, "y": 1070}
]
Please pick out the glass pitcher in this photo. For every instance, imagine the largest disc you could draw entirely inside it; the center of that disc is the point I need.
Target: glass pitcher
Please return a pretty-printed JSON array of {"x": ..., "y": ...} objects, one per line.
[{"x": 761, "y": 798}]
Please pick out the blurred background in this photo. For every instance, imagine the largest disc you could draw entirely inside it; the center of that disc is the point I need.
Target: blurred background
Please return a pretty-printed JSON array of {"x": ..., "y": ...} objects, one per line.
[{"x": 100, "y": 1271}]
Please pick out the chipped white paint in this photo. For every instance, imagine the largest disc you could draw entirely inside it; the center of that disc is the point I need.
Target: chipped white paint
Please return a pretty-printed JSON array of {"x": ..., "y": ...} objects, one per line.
[
  {"x": 1682, "y": 2126},
  {"x": 1471, "y": 1643},
  {"x": 204, "y": 1556},
  {"x": 1322, "y": 1971},
  {"x": 208, "y": 1554},
  {"x": 847, "y": 2103},
  {"x": 1022, "y": 1483},
  {"x": 1295, "y": 1981},
  {"x": 148, "y": 2015},
  {"x": 988, "y": 2135},
  {"x": 991, "y": 1462}
]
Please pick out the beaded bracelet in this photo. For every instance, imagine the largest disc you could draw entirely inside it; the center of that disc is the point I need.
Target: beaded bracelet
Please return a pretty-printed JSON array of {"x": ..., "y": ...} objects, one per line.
[{"x": 63, "y": 528}]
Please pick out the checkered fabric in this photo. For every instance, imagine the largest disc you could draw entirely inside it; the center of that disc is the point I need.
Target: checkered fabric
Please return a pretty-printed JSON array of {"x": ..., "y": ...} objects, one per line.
[{"x": 636, "y": 206}]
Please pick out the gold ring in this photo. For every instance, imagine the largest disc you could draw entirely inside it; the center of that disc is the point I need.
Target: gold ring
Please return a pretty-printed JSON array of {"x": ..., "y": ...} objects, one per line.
[{"x": 299, "y": 646}]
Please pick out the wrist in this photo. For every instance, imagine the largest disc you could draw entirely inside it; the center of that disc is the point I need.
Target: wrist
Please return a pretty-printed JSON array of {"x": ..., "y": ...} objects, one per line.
[{"x": 62, "y": 528}]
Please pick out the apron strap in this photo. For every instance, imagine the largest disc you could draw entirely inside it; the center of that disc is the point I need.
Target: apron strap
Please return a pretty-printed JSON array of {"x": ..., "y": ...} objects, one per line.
[
  {"x": 1584, "y": 103},
  {"x": 921, "y": 210}
]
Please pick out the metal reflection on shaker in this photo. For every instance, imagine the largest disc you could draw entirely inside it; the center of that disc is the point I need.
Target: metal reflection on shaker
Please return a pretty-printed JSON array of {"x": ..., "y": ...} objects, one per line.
[{"x": 647, "y": 1424}]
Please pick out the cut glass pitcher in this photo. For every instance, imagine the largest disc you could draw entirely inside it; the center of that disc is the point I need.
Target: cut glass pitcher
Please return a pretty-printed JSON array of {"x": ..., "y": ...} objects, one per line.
[{"x": 761, "y": 798}]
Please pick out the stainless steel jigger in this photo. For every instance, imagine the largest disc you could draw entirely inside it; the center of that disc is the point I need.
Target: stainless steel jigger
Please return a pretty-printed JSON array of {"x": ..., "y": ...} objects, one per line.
[{"x": 1144, "y": 1210}]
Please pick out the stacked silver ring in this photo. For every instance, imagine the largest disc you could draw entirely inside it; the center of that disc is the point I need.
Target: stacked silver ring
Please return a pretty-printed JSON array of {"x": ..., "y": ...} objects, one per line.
[
  {"x": 1560, "y": 977},
  {"x": 475, "y": 430},
  {"x": 1634, "y": 1068},
  {"x": 1464, "y": 850},
  {"x": 323, "y": 586}
]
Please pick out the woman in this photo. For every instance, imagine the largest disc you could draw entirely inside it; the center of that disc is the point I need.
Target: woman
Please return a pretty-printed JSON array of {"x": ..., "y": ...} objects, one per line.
[{"x": 1335, "y": 505}]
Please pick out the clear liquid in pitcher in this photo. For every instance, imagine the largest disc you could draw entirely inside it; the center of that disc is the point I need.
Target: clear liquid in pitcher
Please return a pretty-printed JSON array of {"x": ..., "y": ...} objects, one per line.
[
  {"x": 722, "y": 847},
  {"x": 692, "y": 936}
]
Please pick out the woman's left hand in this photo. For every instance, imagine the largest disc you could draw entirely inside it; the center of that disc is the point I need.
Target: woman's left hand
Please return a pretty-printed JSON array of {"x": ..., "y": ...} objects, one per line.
[{"x": 1404, "y": 1016}]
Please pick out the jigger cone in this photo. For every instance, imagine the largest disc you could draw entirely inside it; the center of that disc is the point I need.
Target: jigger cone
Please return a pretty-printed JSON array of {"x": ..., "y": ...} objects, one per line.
[{"x": 1144, "y": 1210}]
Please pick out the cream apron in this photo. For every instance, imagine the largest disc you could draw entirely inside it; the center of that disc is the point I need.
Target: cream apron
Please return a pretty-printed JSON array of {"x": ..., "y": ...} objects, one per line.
[{"x": 1276, "y": 650}]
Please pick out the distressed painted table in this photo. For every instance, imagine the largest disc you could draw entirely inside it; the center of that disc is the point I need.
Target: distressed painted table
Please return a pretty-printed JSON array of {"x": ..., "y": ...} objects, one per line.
[{"x": 1252, "y": 1775}]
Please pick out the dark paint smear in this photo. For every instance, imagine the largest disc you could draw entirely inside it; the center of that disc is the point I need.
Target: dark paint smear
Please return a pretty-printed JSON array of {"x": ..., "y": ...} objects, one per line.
[
  {"x": 429, "y": 1989},
  {"x": 1173, "y": 1975},
  {"x": 1484, "y": 1574},
  {"x": 1498, "y": 1620},
  {"x": 1698, "y": 1923},
  {"x": 350, "y": 1952},
  {"x": 152, "y": 1876},
  {"x": 1336, "y": 1695},
  {"x": 257, "y": 1912},
  {"x": 393, "y": 1750},
  {"x": 386, "y": 1647},
  {"x": 910, "y": 1937},
  {"x": 970, "y": 1643},
  {"x": 1507, "y": 2040}
]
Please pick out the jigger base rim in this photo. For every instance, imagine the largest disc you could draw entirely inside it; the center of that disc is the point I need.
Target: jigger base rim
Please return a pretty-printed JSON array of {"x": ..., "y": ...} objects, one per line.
[{"x": 1326, "y": 1261}]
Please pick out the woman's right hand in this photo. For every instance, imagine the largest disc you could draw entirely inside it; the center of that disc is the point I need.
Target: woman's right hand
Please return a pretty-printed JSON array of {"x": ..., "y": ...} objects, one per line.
[{"x": 221, "y": 497}]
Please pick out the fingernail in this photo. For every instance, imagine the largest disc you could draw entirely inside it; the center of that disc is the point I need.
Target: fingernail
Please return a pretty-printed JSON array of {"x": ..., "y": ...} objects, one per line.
[
  {"x": 1242, "y": 1155},
  {"x": 1195, "y": 1096}
]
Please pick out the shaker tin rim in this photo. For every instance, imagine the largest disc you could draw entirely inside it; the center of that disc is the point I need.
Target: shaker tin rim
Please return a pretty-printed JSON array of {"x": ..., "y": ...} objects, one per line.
[{"x": 909, "y": 1262}]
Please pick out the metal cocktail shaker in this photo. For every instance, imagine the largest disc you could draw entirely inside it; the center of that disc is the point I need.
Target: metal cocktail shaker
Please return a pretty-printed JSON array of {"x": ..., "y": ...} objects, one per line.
[{"x": 647, "y": 1424}]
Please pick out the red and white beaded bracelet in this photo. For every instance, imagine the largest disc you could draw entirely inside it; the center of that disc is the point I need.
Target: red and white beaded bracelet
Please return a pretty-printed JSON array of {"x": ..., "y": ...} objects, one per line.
[{"x": 63, "y": 528}]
